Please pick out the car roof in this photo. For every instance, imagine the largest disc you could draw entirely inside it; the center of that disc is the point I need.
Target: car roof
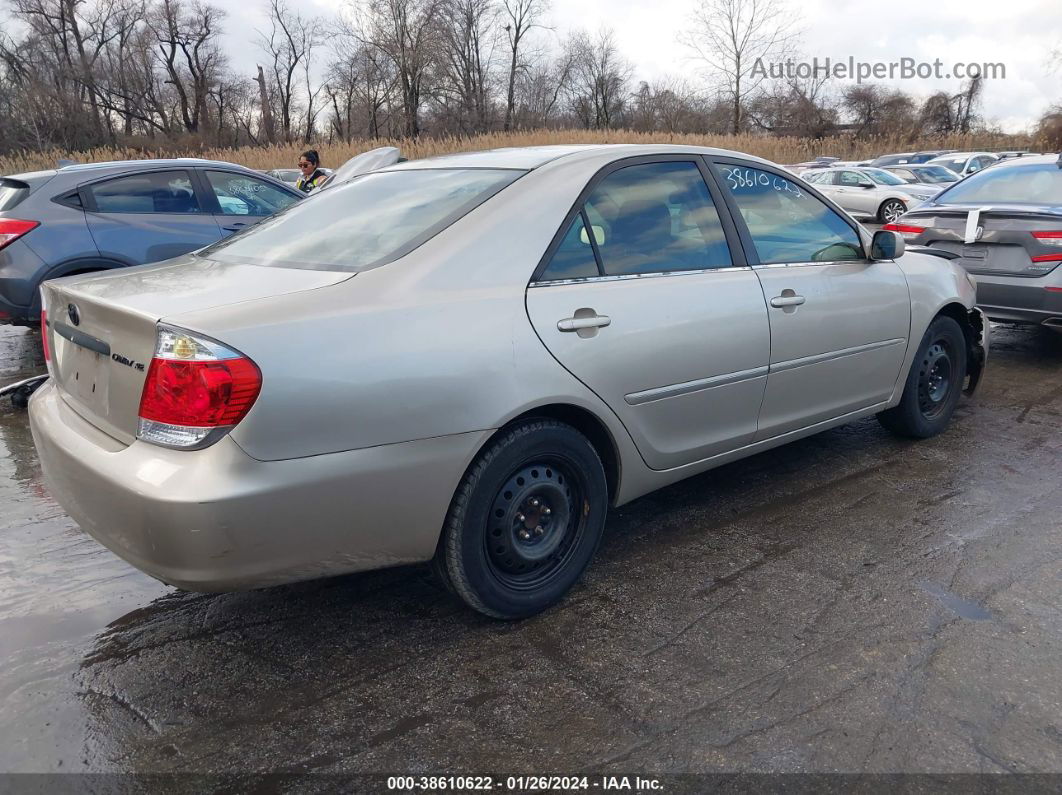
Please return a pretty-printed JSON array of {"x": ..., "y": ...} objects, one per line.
[
  {"x": 1028, "y": 160},
  {"x": 150, "y": 163},
  {"x": 526, "y": 158}
]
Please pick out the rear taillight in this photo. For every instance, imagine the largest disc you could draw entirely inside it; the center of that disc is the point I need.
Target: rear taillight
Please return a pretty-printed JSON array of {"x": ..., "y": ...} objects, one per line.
[
  {"x": 1051, "y": 238},
  {"x": 44, "y": 336},
  {"x": 196, "y": 390},
  {"x": 12, "y": 229},
  {"x": 907, "y": 231}
]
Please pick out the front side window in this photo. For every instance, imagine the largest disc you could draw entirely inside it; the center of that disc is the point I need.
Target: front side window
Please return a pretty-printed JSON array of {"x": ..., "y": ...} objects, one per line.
[
  {"x": 852, "y": 179},
  {"x": 656, "y": 218},
  {"x": 936, "y": 175},
  {"x": 240, "y": 194},
  {"x": 786, "y": 223},
  {"x": 168, "y": 192},
  {"x": 882, "y": 177},
  {"x": 369, "y": 221}
]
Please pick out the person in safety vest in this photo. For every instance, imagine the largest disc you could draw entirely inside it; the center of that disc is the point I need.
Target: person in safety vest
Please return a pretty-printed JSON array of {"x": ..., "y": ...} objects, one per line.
[{"x": 312, "y": 176}]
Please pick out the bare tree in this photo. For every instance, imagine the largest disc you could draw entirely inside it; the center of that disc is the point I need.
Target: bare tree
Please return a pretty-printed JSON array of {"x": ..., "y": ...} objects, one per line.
[
  {"x": 288, "y": 45},
  {"x": 521, "y": 17},
  {"x": 729, "y": 37},
  {"x": 469, "y": 30},
  {"x": 600, "y": 78},
  {"x": 188, "y": 39},
  {"x": 408, "y": 33}
]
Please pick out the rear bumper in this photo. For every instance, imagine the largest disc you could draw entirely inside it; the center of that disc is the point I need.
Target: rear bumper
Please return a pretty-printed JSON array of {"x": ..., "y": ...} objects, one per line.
[
  {"x": 1021, "y": 299},
  {"x": 219, "y": 520}
]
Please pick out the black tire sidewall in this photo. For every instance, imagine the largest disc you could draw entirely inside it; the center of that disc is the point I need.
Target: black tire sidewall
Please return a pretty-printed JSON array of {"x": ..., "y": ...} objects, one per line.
[
  {"x": 467, "y": 557},
  {"x": 947, "y": 329}
]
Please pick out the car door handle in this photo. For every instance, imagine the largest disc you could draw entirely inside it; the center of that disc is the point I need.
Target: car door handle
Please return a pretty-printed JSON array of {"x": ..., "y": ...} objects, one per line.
[
  {"x": 780, "y": 301},
  {"x": 236, "y": 227},
  {"x": 576, "y": 323}
]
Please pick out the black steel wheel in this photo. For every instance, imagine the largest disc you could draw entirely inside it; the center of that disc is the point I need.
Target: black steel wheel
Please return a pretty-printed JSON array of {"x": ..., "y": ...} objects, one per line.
[
  {"x": 934, "y": 383},
  {"x": 525, "y": 521}
]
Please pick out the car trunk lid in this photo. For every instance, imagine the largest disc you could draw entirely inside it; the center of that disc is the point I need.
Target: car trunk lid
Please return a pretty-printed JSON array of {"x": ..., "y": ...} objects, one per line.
[
  {"x": 102, "y": 328},
  {"x": 1004, "y": 243}
]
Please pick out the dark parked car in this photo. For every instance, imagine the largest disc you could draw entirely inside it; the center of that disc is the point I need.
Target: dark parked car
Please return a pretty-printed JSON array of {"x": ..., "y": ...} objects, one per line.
[
  {"x": 92, "y": 217},
  {"x": 905, "y": 158},
  {"x": 1004, "y": 225}
]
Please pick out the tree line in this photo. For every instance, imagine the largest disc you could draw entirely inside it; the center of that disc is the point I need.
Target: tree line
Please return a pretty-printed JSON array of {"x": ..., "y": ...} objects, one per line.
[{"x": 75, "y": 74}]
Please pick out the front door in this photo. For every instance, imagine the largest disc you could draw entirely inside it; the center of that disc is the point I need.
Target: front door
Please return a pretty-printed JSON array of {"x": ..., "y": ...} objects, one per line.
[
  {"x": 839, "y": 322},
  {"x": 243, "y": 200},
  {"x": 642, "y": 302}
]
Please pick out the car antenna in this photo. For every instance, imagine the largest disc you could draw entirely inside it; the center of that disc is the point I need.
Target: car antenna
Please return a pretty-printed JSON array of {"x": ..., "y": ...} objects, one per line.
[{"x": 63, "y": 163}]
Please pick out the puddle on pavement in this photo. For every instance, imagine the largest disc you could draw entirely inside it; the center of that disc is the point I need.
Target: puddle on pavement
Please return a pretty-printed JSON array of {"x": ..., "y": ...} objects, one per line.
[
  {"x": 58, "y": 590},
  {"x": 963, "y": 608}
]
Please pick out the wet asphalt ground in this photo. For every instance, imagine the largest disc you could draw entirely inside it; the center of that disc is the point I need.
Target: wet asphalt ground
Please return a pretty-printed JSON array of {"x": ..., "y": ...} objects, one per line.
[{"x": 852, "y": 602}]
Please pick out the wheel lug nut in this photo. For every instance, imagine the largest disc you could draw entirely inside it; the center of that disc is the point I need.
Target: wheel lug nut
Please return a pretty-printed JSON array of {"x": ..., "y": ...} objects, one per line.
[
  {"x": 534, "y": 502},
  {"x": 539, "y": 530},
  {"x": 546, "y": 511},
  {"x": 520, "y": 517},
  {"x": 524, "y": 535}
]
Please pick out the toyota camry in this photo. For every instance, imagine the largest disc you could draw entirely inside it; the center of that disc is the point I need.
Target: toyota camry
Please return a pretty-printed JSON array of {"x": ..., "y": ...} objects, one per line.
[{"x": 467, "y": 360}]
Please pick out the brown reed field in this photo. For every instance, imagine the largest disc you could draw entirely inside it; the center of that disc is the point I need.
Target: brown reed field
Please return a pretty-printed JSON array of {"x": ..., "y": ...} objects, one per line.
[{"x": 778, "y": 149}]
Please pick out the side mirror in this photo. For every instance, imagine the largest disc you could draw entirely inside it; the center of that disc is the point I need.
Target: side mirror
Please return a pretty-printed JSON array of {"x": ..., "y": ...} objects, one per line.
[
  {"x": 886, "y": 245},
  {"x": 867, "y": 185}
]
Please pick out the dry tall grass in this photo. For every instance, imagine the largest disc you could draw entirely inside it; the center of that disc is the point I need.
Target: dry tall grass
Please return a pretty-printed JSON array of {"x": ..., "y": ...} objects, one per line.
[{"x": 780, "y": 150}]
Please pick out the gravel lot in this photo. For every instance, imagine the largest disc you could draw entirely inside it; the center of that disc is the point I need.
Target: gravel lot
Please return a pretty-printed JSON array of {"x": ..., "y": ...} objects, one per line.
[{"x": 852, "y": 602}]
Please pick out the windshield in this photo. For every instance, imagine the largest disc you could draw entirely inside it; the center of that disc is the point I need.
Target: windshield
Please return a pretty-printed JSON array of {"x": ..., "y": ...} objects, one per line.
[
  {"x": 367, "y": 222},
  {"x": 883, "y": 177},
  {"x": 1032, "y": 184},
  {"x": 935, "y": 175}
]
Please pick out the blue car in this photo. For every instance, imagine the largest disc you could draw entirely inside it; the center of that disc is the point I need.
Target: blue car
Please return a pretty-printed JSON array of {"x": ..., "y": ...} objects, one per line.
[{"x": 92, "y": 217}]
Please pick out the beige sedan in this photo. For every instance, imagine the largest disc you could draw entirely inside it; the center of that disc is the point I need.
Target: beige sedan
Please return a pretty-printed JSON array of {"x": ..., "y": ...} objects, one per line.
[{"x": 467, "y": 360}]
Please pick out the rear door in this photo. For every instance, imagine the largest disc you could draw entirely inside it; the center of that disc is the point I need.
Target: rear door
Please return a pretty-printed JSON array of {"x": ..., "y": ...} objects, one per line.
[
  {"x": 642, "y": 298},
  {"x": 148, "y": 217},
  {"x": 238, "y": 200},
  {"x": 839, "y": 322}
]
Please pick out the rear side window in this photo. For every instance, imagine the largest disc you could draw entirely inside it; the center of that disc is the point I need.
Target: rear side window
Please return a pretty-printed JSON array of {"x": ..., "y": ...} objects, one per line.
[
  {"x": 574, "y": 258},
  {"x": 1031, "y": 184},
  {"x": 655, "y": 218},
  {"x": 366, "y": 222},
  {"x": 786, "y": 223},
  {"x": 242, "y": 194},
  {"x": 167, "y": 192}
]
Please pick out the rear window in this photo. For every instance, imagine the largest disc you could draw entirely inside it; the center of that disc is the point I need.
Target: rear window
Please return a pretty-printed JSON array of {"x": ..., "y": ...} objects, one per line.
[
  {"x": 367, "y": 222},
  {"x": 1032, "y": 184}
]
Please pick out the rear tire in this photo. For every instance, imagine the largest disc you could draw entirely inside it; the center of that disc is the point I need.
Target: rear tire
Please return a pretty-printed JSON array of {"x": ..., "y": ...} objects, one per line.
[
  {"x": 525, "y": 521},
  {"x": 934, "y": 383}
]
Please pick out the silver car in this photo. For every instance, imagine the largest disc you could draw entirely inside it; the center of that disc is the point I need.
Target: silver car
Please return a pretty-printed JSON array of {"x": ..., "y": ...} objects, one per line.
[
  {"x": 965, "y": 163},
  {"x": 467, "y": 360},
  {"x": 869, "y": 191}
]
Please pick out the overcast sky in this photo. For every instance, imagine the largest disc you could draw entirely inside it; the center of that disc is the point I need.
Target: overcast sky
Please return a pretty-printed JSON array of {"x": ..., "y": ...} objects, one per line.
[{"x": 1021, "y": 34}]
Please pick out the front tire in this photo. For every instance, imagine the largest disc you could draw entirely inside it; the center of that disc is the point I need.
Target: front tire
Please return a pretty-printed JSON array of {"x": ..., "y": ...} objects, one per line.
[
  {"x": 525, "y": 521},
  {"x": 934, "y": 383},
  {"x": 891, "y": 210}
]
